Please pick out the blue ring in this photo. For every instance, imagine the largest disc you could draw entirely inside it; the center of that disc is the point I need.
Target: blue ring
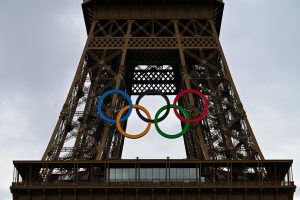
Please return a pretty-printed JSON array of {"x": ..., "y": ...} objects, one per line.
[{"x": 125, "y": 117}]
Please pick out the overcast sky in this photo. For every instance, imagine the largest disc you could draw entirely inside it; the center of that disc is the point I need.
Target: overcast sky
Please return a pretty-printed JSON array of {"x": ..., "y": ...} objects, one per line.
[{"x": 41, "y": 43}]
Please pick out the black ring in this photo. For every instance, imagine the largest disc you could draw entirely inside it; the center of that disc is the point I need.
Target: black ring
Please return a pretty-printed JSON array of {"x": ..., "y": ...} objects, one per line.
[{"x": 149, "y": 92}]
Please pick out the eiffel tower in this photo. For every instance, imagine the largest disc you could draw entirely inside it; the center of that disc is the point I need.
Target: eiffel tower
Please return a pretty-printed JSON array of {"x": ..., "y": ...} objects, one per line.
[{"x": 165, "y": 46}]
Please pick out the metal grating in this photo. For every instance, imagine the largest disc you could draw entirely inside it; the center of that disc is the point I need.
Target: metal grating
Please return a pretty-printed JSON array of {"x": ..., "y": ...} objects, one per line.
[{"x": 153, "y": 77}]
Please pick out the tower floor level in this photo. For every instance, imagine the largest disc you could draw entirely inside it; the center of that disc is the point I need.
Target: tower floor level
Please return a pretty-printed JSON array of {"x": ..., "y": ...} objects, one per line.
[{"x": 158, "y": 48}]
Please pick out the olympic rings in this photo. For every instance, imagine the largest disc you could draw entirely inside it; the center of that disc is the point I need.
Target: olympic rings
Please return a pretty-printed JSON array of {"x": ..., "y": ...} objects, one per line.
[
  {"x": 108, "y": 93},
  {"x": 185, "y": 128},
  {"x": 147, "y": 92},
  {"x": 127, "y": 134},
  {"x": 202, "y": 115},
  {"x": 156, "y": 120}
]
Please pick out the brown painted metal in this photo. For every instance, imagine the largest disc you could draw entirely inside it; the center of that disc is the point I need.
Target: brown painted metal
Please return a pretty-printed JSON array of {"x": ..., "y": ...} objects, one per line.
[
  {"x": 136, "y": 45},
  {"x": 270, "y": 179},
  {"x": 110, "y": 54}
]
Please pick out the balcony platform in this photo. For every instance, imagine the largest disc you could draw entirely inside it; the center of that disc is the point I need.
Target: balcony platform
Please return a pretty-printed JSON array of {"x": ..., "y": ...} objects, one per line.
[{"x": 153, "y": 179}]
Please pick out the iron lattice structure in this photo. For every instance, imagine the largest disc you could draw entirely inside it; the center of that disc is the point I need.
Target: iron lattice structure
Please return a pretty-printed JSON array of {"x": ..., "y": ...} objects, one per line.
[
  {"x": 164, "y": 54},
  {"x": 137, "y": 45}
]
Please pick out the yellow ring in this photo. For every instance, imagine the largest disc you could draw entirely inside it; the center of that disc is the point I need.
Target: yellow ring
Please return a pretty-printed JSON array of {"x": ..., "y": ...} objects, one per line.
[{"x": 127, "y": 134}]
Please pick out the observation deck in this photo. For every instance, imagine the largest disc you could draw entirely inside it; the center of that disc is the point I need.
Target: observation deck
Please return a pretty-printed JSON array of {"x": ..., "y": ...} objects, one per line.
[{"x": 167, "y": 179}]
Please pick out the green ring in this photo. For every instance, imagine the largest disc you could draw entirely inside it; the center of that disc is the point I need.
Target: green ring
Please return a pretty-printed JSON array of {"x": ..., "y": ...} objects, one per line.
[{"x": 185, "y": 128}]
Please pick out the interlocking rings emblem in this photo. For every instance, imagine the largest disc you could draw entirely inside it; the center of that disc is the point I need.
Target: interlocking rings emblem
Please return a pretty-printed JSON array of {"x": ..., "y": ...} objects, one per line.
[{"x": 120, "y": 118}]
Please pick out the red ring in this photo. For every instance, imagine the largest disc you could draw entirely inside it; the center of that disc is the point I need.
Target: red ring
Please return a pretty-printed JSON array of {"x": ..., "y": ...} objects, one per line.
[{"x": 202, "y": 97}]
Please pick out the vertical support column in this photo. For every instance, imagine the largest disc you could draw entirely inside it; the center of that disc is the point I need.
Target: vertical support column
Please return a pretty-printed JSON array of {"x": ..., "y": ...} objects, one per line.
[
  {"x": 245, "y": 194},
  {"x": 106, "y": 194},
  {"x": 121, "y": 193},
  {"x": 28, "y": 194},
  {"x": 87, "y": 110},
  {"x": 217, "y": 104},
  {"x": 261, "y": 194},
  {"x": 91, "y": 194},
  {"x": 136, "y": 194},
  {"x": 59, "y": 194},
  {"x": 168, "y": 194},
  {"x": 152, "y": 194},
  {"x": 200, "y": 136},
  {"x": 44, "y": 194},
  {"x": 58, "y": 125},
  {"x": 75, "y": 194},
  {"x": 249, "y": 129},
  {"x": 199, "y": 194},
  {"x": 118, "y": 80},
  {"x": 276, "y": 194},
  {"x": 214, "y": 193}
]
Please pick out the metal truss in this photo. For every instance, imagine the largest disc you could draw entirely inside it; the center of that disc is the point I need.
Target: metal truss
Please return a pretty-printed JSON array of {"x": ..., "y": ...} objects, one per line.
[
  {"x": 137, "y": 55},
  {"x": 137, "y": 45}
]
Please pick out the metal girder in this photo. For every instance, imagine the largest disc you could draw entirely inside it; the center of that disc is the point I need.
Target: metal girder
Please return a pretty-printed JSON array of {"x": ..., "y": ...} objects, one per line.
[
  {"x": 136, "y": 45},
  {"x": 173, "y": 55}
]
